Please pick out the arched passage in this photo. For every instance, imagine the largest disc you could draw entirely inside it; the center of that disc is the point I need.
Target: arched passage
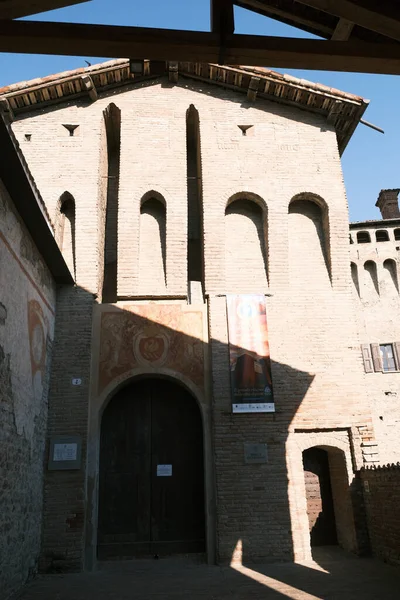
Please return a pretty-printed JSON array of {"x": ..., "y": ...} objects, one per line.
[
  {"x": 151, "y": 482},
  {"x": 329, "y": 504}
]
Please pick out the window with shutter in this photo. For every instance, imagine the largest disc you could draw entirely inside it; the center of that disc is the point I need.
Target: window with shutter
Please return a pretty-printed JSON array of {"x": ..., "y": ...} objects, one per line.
[
  {"x": 387, "y": 358},
  {"x": 376, "y": 358},
  {"x": 367, "y": 358},
  {"x": 396, "y": 348}
]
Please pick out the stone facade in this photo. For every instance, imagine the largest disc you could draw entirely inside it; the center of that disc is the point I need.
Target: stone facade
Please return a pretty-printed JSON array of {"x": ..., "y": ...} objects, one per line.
[
  {"x": 27, "y": 308},
  {"x": 273, "y": 220}
]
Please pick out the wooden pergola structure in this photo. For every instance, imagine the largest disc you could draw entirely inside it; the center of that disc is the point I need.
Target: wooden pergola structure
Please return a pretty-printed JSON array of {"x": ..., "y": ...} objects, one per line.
[{"x": 358, "y": 36}]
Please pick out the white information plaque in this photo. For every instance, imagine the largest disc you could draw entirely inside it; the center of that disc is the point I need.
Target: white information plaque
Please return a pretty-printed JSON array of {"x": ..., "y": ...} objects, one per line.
[
  {"x": 64, "y": 452},
  {"x": 164, "y": 470}
]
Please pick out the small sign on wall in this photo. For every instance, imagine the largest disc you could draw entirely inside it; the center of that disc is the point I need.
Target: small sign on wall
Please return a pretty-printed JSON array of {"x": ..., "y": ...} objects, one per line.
[
  {"x": 164, "y": 470},
  {"x": 255, "y": 453},
  {"x": 65, "y": 453}
]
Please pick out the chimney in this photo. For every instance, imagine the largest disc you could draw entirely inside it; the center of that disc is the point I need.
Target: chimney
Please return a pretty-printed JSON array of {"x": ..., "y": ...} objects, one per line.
[{"x": 388, "y": 204}]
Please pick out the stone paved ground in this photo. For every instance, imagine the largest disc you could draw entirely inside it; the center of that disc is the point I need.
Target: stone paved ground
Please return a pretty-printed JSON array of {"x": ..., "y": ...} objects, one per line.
[{"x": 333, "y": 575}]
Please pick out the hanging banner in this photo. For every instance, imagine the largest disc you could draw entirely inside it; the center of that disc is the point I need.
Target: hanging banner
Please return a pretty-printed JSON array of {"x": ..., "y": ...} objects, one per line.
[{"x": 249, "y": 357}]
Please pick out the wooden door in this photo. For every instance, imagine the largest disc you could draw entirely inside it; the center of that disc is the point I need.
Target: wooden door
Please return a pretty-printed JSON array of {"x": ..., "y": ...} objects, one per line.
[{"x": 151, "y": 493}]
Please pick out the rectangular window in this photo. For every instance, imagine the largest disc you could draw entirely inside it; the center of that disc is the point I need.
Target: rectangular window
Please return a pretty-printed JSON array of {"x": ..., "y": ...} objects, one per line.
[{"x": 387, "y": 357}]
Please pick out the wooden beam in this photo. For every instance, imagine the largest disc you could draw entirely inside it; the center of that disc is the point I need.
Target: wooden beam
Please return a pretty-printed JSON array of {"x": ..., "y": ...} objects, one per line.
[
  {"x": 222, "y": 17},
  {"x": 292, "y": 15},
  {"x": 342, "y": 30},
  {"x": 14, "y": 9},
  {"x": 88, "y": 85},
  {"x": 362, "y": 13},
  {"x": 252, "y": 90},
  {"x": 71, "y": 39}
]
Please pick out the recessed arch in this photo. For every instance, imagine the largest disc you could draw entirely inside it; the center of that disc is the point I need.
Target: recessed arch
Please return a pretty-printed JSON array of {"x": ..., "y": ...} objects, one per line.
[
  {"x": 354, "y": 276},
  {"x": 65, "y": 225},
  {"x": 382, "y": 235},
  {"x": 151, "y": 429},
  {"x": 111, "y": 165},
  {"x": 195, "y": 230},
  {"x": 390, "y": 276},
  {"x": 309, "y": 241},
  {"x": 363, "y": 237},
  {"x": 153, "y": 244},
  {"x": 328, "y": 497},
  {"x": 246, "y": 243},
  {"x": 371, "y": 277}
]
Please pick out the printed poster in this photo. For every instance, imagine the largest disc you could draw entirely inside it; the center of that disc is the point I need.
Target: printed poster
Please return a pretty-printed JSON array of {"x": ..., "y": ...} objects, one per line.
[{"x": 249, "y": 357}]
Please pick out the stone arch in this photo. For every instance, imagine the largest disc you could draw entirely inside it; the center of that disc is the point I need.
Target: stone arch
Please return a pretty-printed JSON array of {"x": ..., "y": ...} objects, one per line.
[
  {"x": 149, "y": 372},
  {"x": 65, "y": 229},
  {"x": 153, "y": 243},
  {"x": 246, "y": 264},
  {"x": 309, "y": 240}
]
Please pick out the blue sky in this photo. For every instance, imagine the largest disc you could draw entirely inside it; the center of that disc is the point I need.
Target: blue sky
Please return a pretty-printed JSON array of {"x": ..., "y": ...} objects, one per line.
[{"x": 371, "y": 160}]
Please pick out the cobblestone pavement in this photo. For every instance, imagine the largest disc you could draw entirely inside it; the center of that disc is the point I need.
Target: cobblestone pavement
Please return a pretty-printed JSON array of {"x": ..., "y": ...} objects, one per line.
[{"x": 332, "y": 575}]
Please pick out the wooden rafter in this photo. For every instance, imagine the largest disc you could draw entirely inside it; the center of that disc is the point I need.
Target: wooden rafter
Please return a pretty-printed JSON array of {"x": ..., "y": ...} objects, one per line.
[
  {"x": 221, "y": 16},
  {"x": 343, "y": 30},
  {"x": 163, "y": 44},
  {"x": 367, "y": 13},
  {"x": 15, "y": 9},
  {"x": 290, "y": 13}
]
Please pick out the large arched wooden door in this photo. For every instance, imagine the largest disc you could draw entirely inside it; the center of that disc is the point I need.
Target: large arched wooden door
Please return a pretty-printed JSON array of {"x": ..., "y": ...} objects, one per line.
[{"x": 151, "y": 488}]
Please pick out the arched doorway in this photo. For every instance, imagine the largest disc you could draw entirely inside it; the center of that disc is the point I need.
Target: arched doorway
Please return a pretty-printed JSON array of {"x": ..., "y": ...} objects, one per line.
[
  {"x": 320, "y": 510},
  {"x": 151, "y": 483},
  {"x": 328, "y": 496}
]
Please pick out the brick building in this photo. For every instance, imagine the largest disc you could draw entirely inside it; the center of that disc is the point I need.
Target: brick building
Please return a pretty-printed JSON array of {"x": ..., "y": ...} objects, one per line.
[{"x": 167, "y": 189}]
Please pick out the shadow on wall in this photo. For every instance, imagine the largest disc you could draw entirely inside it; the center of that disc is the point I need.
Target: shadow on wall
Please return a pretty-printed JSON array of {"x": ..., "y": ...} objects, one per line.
[{"x": 249, "y": 503}]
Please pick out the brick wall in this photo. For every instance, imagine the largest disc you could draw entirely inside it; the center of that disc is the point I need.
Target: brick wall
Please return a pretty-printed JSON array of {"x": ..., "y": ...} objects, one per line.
[
  {"x": 27, "y": 302},
  {"x": 64, "y": 491},
  {"x": 314, "y": 340},
  {"x": 382, "y": 500}
]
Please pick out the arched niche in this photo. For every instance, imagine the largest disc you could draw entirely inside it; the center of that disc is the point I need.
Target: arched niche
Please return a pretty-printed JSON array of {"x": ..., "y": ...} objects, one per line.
[
  {"x": 354, "y": 277},
  {"x": 390, "y": 278},
  {"x": 65, "y": 225},
  {"x": 110, "y": 162},
  {"x": 371, "y": 284},
  {"x": 152, "y": 244},
  {"x": 246, "y": 243},
  {"x": 309, "y": 242}
]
